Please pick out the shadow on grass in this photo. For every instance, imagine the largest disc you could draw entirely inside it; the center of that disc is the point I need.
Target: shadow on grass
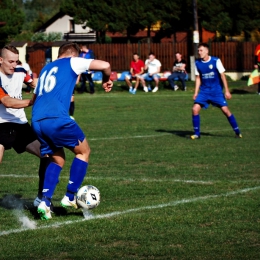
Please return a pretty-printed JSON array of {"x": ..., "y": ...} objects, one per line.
[
  {"x": 184, "y": 134},
  {"x": 240, "y": 91}
]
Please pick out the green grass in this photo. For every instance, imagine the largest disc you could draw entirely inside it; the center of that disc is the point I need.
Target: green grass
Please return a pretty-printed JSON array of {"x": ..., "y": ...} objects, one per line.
[{"x": 163, "y": 196}]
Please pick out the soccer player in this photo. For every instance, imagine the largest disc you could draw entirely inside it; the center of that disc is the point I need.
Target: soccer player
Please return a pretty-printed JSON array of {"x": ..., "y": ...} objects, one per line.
[
  {"x": 210, "y": 79},
  {"x": 54, "y": 127},
  {"x": 15, "y": 131}
]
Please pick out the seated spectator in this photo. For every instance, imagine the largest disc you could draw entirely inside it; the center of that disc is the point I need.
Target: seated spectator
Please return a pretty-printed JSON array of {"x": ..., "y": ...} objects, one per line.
[
  {"x": 153, "y": 67},
  {"x": 136, "y": 69},
  {"x": 178, "y": 71}
]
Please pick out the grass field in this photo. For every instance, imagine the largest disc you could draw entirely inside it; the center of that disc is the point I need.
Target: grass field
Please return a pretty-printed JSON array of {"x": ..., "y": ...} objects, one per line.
[{"x": 163, "y": 196}]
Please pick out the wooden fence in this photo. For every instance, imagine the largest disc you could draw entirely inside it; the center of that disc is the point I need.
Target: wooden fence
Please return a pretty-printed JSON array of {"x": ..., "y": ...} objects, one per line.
[{"x": 236, "y": 56}]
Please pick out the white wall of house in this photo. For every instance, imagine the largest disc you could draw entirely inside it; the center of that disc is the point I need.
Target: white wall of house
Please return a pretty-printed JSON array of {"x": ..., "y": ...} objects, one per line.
[{"x": 64, "y": 25}]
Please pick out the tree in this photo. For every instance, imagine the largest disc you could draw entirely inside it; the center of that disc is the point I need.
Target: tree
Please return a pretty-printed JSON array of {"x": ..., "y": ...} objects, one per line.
[
  {"x": 13, "y": 17},
  {"x": 123, "y": 16},
  {"x": 230, "y": 17}
]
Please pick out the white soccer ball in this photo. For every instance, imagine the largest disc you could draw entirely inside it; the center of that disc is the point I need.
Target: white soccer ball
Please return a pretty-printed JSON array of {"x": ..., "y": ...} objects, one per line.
[{"x": 88, "y": 197}]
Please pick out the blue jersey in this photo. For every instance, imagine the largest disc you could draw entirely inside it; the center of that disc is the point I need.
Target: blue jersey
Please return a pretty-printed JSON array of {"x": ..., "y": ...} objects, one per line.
[
  {"x": 210, "y": 76},
  {"x": 55, "y": 87}
]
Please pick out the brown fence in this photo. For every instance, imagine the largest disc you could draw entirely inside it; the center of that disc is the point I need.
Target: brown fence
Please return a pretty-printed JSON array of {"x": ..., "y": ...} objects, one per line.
[{"x": 236, "y": 56}]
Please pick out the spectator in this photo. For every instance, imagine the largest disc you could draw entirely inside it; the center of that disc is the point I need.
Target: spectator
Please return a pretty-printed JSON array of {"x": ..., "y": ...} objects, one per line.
[
  {"x": 153, "y": 67},
  {"x": 136, "y": 70},
  {"x": 178, "y": 71},
  {"x": 257, "y": 63},
  {"x": 87, "y": 54}
]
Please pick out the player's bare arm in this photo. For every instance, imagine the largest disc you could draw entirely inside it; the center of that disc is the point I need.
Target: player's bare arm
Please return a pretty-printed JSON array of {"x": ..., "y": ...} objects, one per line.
[
  {"x": 224, "y": 80},
  {"x": 197, "y": 87},
  {"x": 10, "y": 102},
  {"x": 33, "y": 84},
  {"x": 106, "y": 70}
]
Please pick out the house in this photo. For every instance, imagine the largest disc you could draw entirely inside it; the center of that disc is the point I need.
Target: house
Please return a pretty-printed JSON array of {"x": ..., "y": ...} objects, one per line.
[{"x": 71, "y": 32}]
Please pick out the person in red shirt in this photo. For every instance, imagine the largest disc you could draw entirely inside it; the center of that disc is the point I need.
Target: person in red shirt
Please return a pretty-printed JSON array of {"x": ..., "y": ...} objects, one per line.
[
  {"x": 136, "y": 69},
  {"x": 257, "y": 63}
]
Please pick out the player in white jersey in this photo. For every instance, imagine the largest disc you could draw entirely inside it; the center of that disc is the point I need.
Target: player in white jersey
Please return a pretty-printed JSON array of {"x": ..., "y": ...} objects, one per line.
[{"x": 15, "y": 132}]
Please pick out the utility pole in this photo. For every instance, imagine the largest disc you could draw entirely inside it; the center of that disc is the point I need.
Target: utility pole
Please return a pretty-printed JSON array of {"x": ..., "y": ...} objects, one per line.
[
  {"x": 196, "y": 40},
  {"x": 196, "y": 36}
]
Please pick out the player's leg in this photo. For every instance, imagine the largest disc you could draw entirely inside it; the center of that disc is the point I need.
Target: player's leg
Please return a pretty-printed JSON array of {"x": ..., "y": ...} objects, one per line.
[
  {"x": 72, "y": 107},
  {"x": 78, "y": 172},
  {"x": 196, "y": 120},
  {"x": 34, "y": 148},
  {"x": 232, "y": 120}
]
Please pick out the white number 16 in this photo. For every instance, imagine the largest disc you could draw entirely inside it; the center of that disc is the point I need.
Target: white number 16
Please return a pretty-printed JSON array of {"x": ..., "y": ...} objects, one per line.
[{"x": 48, "y": 82}]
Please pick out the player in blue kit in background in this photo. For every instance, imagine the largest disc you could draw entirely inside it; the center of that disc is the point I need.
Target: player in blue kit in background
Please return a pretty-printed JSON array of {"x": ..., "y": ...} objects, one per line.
[
  {"x": 54, "y": 127},
  {"x": 209, "y": 83}
]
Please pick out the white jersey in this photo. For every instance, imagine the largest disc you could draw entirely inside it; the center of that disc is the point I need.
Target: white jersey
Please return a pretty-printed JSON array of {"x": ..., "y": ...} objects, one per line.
[
  {"x": 27, "y": 68},
  {"x": 12, "y": 85},
  {"x": 153, "y": 65}
]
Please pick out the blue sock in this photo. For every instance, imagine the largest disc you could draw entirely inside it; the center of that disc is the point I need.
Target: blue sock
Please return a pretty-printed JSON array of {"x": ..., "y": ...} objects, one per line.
[
  {"x": 233, "y": 123},
  {"x": 78, "y": 171},
  {"x": 50, "y": 181},
  {"x": 196, "y": 124}
]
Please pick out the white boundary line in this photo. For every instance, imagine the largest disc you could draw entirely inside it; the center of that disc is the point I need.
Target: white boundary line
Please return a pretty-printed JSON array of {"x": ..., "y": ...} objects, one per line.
[
  {"x": 162, "y": 134},
  {"x": 118, "y": 213},
  {"x": 113, "y": 179}
]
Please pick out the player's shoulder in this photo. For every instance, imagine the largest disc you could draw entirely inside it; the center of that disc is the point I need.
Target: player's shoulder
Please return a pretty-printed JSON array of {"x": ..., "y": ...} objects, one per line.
[{"x": 214, "y": 58}]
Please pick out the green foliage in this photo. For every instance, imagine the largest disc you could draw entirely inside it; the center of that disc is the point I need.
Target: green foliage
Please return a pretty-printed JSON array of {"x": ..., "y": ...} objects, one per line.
[
  {"x": 47, "y": 37},
  {"x": 13, "y": 17},
  {"x": 230, "y": 17}
]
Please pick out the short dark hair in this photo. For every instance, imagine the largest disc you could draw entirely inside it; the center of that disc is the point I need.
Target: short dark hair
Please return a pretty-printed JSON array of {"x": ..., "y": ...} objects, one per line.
[
  {"x": 68, "y": 48},
  {"x": 203, "y": 44},
  {"x": 9, "y": 48},
  {"x": 151, "y": 53}
]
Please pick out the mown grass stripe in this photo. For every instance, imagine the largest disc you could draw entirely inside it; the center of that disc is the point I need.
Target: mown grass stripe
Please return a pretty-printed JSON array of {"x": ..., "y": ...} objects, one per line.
[{"x": 118, "y": 213}]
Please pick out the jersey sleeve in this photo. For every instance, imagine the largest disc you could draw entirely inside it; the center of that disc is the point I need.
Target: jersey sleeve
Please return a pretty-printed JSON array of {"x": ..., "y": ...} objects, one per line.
[
  {"x": 3, "y": 93},
  {"x": 80, "y": 65},
  {"x": 196, "y": 70},
  {"x": 220, "y": 66}
]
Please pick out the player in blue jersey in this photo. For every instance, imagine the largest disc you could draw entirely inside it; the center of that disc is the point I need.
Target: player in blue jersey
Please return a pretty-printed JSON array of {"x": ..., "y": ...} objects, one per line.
[
  {"x": 210, "y": 80},
  {"x": 54, "y": 127}
]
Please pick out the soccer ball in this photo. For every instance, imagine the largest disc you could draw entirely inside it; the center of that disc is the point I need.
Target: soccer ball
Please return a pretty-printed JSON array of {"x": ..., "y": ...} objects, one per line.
[{"x": 88, "y": 197}]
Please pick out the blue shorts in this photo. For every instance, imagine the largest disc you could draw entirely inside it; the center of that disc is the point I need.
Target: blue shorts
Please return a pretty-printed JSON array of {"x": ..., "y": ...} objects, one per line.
[
  {"x": 56, "y": 133},
  {"x": 147, "y": 77},
  {"x": 205, "y": 99}
]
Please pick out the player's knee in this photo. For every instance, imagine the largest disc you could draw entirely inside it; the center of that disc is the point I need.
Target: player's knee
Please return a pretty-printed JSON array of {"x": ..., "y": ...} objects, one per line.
[{"x": 195, "y": 110}]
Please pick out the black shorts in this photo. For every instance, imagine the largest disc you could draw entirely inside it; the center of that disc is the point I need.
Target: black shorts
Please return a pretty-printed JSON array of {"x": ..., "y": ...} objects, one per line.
[{"x": 17, "y": 136}]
